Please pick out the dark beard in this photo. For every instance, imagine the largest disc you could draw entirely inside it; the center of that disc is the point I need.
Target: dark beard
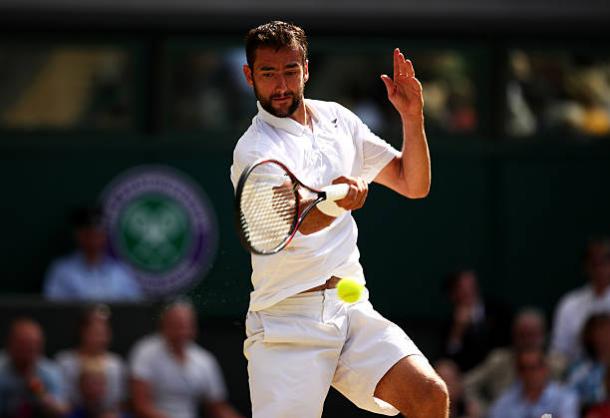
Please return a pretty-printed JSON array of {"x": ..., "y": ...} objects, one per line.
[{"x": 266, "y": 104}]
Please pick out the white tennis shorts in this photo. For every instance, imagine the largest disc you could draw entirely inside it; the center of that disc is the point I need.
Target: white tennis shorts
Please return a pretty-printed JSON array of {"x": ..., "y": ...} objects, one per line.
[{"x": 301, "y": 346}]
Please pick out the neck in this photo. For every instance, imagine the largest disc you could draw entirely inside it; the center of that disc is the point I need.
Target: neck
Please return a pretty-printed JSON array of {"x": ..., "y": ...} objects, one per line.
[
  {"x": 301, "y": 115},
  {"x": 91, "y": 351},
  {"x": 533, "y": 393},
  {"x": 92, "y": 258}
]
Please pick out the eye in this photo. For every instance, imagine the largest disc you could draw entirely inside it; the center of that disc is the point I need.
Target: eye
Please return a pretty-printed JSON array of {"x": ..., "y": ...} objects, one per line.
[{"x": 267, "y": 75}]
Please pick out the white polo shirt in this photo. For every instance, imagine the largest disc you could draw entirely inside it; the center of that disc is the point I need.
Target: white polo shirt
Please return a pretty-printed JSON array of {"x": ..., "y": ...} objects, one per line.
[
  {"x": 340, "y": 145},
  {"x": 177, "y": 388}
]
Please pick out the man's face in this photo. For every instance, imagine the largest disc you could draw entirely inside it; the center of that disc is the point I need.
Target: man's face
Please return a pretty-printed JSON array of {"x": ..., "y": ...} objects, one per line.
[
  {"x": 528, "y": 332},
  {"x": 179, "y": 325},
  {"x": 532, "y": 369},
  {"x": 598, "y": 264},
  {"x": 25, "y": 344},
  {"x": 278, "y": 78}
]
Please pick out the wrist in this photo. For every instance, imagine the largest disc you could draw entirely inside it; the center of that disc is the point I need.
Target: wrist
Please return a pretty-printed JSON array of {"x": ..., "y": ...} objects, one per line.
[{"x": 416, "y": 118}]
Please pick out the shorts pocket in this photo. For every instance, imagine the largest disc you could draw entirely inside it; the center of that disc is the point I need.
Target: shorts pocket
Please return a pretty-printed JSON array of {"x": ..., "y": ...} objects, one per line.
[{"x": 299, "y": 330}]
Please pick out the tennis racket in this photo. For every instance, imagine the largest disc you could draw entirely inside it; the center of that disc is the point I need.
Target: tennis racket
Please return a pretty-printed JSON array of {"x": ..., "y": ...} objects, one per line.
[{"x": 271, "y": 204}]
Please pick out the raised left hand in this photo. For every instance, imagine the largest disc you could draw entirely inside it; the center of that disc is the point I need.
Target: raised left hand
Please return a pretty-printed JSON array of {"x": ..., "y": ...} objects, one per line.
[{"x": 404, "y": 90}]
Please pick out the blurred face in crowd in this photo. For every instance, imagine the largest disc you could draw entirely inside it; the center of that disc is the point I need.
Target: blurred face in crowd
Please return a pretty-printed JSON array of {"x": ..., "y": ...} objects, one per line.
[
  {"x": 179, "y": 325},
  {"x": 278, "y": 78},
  {"x": 25, "y": 344},
  {"x": 96, "y": 333},
  {"x": 597, "y": 264},
  {"x": 91, "y": 240},
  {"x": 528, "y": 331},
  {"x": 465, "y": 289},
  {"x": 532, "y": 369}
]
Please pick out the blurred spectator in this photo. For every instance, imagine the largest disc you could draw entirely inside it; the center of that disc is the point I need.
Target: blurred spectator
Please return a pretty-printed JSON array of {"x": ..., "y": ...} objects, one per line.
[
  {"x": 89, "y": 273},
  {"x": 30, "y": 385},
  {"x": 93, "y": 391},
  {"x": 95, "y": 335},
  {"x": 171, "y": 375},
  {"x": 587, "y": 376},
  {"x": 576, "y": 306},
  {"x": 487, "y": 381},
  {"x": 534, "y": 394},
  {"x": 476, "y": 325},
  {"x": 602, "y": 409},
  {"x": 460, "y": 406}
]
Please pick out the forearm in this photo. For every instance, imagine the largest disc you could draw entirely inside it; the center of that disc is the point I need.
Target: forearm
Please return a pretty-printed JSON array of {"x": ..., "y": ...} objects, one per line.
[
  {"x": 415, "y": 160},
  {"x": 315, "y": 221},
  {"x": 52, "y": 407}
]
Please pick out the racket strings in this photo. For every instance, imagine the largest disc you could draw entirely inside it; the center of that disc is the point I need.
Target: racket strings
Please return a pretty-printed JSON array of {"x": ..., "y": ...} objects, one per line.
[{"x": 268, "y": 212}]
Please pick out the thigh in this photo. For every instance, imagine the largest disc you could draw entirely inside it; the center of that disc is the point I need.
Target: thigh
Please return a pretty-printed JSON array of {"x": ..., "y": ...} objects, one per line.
[
  {"x": 374, "y": 345},
  {"x": 289, "y": 373}
]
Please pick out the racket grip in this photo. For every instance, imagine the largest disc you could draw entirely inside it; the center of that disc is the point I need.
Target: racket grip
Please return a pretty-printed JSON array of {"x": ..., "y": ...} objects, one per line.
[
  {"x": 333, "y": 193},
  {"x": 336, "y": 191}
]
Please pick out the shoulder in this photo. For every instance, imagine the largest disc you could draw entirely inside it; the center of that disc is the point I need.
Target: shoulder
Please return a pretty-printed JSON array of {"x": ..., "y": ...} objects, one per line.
[
  {"x": 573, "y": 298},
  {"x": 66, "y": 358},
  {"x": 148, "y": 346},
  {"x": 68, "y": 262},
  {"x": 203, "y": 357},
  {"x": 48, "y": 370}
]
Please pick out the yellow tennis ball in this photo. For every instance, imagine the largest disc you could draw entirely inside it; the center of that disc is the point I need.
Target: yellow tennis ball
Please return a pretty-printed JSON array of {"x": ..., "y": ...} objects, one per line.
[{"x": 349, "y": 290}]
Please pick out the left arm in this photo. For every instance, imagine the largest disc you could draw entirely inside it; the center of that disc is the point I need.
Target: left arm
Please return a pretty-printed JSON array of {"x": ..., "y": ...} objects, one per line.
[{"x": 408, "y": 174}]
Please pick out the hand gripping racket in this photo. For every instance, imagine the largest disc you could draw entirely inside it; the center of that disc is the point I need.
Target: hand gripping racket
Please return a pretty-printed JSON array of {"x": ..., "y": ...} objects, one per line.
[{"x": 271, "y": 204}]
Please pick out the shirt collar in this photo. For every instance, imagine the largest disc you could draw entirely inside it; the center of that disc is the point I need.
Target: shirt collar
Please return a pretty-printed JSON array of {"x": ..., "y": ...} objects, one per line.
[{"x": 287, "y": 124}]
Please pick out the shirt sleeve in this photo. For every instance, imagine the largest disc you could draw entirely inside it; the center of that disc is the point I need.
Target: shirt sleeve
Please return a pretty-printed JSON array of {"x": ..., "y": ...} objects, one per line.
[
  {"x": 215, "y": 389},
  {"x": 375, "y": 152},
  {"x": 560, "y": 339},
  {"x": 130, "y": 287},
  {"x": 570, "y": 406}
]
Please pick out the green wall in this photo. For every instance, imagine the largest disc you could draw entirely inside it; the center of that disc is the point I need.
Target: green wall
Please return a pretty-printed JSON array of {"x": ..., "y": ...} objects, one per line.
[{"x": 518, "y": 213}]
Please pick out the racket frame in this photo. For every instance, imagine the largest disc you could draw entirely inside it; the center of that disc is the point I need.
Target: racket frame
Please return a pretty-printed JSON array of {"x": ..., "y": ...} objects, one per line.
[{"x": 300, "y": 213}]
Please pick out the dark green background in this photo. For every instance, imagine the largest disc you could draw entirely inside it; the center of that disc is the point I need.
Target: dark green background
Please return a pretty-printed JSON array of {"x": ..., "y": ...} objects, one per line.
[{"x": 518, "y": 213}]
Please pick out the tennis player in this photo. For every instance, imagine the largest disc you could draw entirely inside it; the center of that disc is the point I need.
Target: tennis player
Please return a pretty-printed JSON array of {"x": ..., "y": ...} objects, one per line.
[{"x": 301, "y": 339}]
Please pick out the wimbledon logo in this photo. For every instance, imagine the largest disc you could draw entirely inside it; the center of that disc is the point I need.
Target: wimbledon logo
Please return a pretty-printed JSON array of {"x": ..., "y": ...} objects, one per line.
[{"x": 160, "y": 223}]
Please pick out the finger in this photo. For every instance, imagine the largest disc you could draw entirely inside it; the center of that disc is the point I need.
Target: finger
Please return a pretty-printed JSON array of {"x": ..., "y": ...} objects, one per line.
[
  {"x": 363, "y": 192},
  {"x": 396, "y": 63},
  {"x": 409, "y": 70},
  {"x": 389, "y": 84},
  {"x": 340, "y": 179}
]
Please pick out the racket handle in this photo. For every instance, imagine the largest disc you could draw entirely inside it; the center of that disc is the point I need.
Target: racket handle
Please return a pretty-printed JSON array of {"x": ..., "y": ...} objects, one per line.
[
  {"x": 333, "y": 193},
  {"x": 336, "y": 191}
]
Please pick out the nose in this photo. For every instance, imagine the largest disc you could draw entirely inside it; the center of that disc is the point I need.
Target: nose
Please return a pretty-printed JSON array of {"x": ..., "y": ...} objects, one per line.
[{"x": 281, "y": 85}]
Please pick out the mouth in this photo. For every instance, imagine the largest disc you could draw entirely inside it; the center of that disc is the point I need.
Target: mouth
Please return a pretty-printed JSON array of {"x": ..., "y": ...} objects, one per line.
[{"x": 281, "y": 99}]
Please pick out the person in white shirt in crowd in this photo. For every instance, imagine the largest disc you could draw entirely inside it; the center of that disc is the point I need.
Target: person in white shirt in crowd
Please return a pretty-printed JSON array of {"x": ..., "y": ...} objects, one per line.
[
  {"x": 301, "y": 338},
  {"x": 576, "y": 306},
  {"x": 496, "y": 373},
  {"x": 89, "y": 273},
  {"x": 535, "y": 393},
  {"x": 171, "y": 376},
  {"x": 94, "y": 339}
]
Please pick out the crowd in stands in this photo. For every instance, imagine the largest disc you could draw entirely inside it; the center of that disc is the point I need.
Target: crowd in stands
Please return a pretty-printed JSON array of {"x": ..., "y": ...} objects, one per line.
[
  {"x": 565, "y": 375},
  {"x": 496, "y": 364},
  {"x": 166, "y": 374}
]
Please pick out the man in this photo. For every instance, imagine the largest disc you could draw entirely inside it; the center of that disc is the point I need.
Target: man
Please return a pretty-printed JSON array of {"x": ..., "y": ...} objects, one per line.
[
  {"x": 89, "y": 273},
  {"x": 30, "y": 386},
  {"x": 172, "y": 376},
  {"x": 301, "y": 338},
  {"x": 575, "y": 307},
  {"x": 535, "y": 394},
  {"x": 476, "y": 326},
  {"x": 486, "y": 382}
]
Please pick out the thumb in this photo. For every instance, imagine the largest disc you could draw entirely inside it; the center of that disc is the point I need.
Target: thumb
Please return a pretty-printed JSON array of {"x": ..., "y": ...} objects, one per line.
[{"x": 389, "y": 84}]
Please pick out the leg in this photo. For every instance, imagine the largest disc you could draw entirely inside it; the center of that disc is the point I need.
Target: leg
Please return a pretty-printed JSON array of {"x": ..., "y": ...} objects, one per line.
[
  {"x": 288, "y": 378},
  {"x": 415, "y": 389}
]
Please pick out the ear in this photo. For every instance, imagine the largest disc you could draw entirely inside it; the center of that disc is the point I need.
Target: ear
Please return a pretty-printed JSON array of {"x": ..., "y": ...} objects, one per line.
[
  {"x": 248, "y": 74},
  {"x": 306, "y": 71}
]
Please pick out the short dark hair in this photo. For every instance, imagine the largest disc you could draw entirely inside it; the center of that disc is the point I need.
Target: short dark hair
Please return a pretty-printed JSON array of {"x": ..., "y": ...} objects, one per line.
[{"x": 275, "y": 34}]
